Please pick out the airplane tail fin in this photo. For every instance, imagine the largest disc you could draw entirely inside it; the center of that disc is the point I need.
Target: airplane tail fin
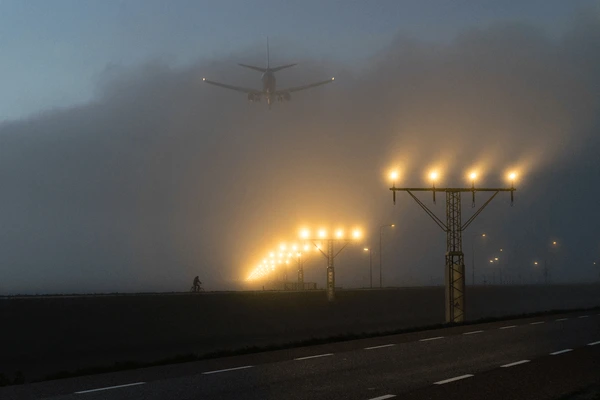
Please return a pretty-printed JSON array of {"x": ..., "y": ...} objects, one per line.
[{"x": 282, "y": 67}]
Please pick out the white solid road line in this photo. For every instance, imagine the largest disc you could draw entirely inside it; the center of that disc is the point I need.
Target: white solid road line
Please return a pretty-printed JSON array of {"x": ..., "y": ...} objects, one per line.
[
  {"x": 110, "y": 387},
  {"x": 457, "y": 378},
  {"x": 562, "y": 319},
  {"x": 537, "y": 323},
  {"x": 385, "y": 396},
  {"x": 583, "y": 316},
  {"x": 379, "y": 347},
  {"x": 515, "y": 363},
  {"x": 472, "y": 332},
  {"x": 593, "y": 343},
  {"x": 508, "y": 327},
  {"x": 226, "y": 370},
  {"x": 561, "y": 352},
  {"x": 431, "y": 338},
  {"x": 317, "y": 356}
]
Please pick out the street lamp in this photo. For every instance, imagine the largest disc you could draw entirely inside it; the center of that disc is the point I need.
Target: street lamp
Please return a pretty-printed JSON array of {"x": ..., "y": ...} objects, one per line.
[
  {"x": 380, "y": 252},
  {"x": 370, "y": 267},
  {"x": 473, "y": 253}
]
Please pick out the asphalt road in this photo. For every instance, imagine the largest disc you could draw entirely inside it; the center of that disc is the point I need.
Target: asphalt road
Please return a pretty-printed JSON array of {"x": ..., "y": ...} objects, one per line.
[{"x": 538, "y": 358}]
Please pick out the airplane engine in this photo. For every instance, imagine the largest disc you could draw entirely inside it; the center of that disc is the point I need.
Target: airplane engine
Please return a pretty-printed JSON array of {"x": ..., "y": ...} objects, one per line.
[
  {"x": 284, "y": 97},
  {"x": 253, "y": 97}
]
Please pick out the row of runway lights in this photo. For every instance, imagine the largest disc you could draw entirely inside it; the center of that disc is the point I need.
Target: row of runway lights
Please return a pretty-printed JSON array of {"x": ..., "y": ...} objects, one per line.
[
  {"x": 287, "y": 253},
  {"x": 435, "y": 175}
]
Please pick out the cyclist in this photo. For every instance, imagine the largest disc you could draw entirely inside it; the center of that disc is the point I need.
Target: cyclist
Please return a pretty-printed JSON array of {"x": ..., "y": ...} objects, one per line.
[{"x": 197, "y": 284}]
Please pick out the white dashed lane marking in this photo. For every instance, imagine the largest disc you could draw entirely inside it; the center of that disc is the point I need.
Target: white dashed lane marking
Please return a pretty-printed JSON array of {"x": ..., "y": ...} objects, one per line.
[
  {"x": 514, "y": 364},
  {"x": 317, "y": 356},
  {"x": 385, "y": 396},
  {"x": 561, "y": 352},
  {"x": 457, "y": 378},
  {"x": 431, "y": 338},
  {"x": 508, "y": 327},
  {"x": 593, "y": 343},
  {"x": 110, "y": 387},
  {"x": 472, "y": 332},
  {"x": 561, "y": 319},
  {"x": 537, "y": 323},
  {"x": 583, "y": 316},
  {"x": 380, "y": 347},
  {"x": 226, "y": 370}
]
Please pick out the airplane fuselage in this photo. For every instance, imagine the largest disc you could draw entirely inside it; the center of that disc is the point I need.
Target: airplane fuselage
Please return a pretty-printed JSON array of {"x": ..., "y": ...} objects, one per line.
[{"x": 269, "y": 85}]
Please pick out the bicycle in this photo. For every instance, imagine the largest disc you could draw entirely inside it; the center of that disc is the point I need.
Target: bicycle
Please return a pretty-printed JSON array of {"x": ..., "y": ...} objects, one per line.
[{"x": 199, "y": 289}]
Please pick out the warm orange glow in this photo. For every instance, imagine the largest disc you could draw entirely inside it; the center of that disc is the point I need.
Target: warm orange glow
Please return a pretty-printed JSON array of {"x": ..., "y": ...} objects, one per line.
[
  {"x": 304, "y": 233},
  {"x": 473, "y": 176},
  {"x": 356, "y": 234},
  {"x": 322, "y": 233},
  {"x": 433, "y": 175},
  {"x": 393, "y": 175},
  {"x": 339, "y": 234}
]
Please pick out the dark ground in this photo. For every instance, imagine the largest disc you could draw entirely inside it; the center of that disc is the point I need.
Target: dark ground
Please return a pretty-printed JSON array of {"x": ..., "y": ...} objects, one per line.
[{"x": 41, "y": 336}]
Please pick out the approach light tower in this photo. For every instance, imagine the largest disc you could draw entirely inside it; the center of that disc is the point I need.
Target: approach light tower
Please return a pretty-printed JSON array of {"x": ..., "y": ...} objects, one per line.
[
  {"x": 455, "y": 259},
  {"x": 330, "y": 253}
]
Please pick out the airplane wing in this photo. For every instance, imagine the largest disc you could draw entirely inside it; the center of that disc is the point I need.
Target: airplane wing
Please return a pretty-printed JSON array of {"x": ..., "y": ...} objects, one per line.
[
  {"x": 236, "y": 88},
  {"x": 298, "y": 88}
]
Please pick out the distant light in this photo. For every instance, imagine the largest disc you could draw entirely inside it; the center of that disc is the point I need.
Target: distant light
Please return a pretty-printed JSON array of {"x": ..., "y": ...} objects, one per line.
[
  {"x": 367, "y": 249},
  {"x": 304, "y": 233},
  {"x": 554, "y": 243},
  {"x": 535, "y": 263},
  {"x": 433, "y": 176},
  {"x": 491, "y": 261},
  {"x": 356, "y": 234},
  {"x": 271, "y": 254},
  {"x": 500, "y": 249},
  {"x": 483, "y": 234},
  {"x": 322, "y": 233},
  {"x": 393, "y": 175},
  {"x": 473, "y": 176},
  {"x": 393, "y": 225},
  {"x": 512, "y": 176},
  {"x": 306, "y": 247},
  {"x": 339, "y": 234},
  {"x": 294, "y": 247},
  {"x": 203, "y": 79},
  {"x": 333, "y": 79},
  {"x": 496, "y": 258},
  {"x": 283, "y": 247}
]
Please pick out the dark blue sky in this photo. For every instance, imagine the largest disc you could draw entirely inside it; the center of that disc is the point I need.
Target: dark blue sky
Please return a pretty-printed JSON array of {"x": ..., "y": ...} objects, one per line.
[{"x": 53, "y": 51}]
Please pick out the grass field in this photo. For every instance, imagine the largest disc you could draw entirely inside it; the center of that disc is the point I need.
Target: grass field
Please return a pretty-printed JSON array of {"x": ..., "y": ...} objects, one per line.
[{"x": 45, "y": 335}]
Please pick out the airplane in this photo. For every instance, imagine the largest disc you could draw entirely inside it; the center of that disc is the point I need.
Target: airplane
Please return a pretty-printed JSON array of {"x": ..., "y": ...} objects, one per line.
[{"x": 269, "y": 88}]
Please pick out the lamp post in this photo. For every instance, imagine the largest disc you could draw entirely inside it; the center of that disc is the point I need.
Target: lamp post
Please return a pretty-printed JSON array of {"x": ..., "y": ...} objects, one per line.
[
  {"x": 370, "y": 267},
  {"x": 323, "y": 236},
  {"x": 380, "y": 252},
  {"x": 473, "y": 254}
]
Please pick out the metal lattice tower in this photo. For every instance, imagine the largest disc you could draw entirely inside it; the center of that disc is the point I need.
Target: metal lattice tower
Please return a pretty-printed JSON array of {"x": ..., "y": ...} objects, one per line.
[
  {"x": 455, "y": 259},
  {"x": 454, "y": 270},
  {"x": 300, "y": 273},
  {"x": 330, "y": 254},
  {"x": 330, "y": 271}
]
